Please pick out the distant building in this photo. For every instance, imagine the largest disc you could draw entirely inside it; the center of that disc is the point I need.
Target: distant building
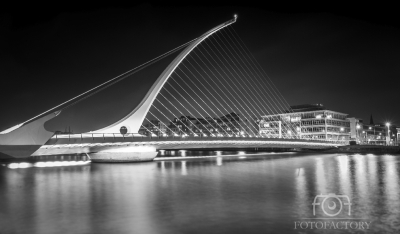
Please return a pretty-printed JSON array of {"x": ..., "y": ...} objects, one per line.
[
  {"x": 153, "y": 128},
  {"x": 228, "y": 125},
  {"x": 309, "y": 121},
  {"x": 231, "y": 124}
]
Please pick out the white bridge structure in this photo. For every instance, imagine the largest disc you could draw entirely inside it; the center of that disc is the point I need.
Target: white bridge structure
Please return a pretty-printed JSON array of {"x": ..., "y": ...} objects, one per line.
[{"x": 225, "y": 80}]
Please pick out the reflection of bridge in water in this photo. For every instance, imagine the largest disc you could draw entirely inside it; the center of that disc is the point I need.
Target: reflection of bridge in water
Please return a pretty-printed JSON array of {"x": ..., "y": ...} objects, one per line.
[
  {"x": 216, "y": 79},
  {"x": 104, "y": 144}
]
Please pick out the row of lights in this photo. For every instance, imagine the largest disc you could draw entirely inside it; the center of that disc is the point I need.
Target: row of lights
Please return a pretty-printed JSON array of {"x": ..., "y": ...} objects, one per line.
[{"x": 46, "y": 164}]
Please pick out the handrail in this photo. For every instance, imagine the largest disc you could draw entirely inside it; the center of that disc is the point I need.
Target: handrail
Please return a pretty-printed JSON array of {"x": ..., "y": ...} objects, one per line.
[{"x": 136, "y": 136}]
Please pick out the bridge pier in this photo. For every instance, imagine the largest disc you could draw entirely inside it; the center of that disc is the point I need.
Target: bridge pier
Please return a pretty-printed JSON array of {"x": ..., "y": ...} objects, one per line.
[{"x": 125, "y": 154}]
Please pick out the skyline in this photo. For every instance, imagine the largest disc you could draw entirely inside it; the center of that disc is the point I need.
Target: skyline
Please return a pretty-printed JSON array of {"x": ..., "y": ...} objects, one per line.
[{"x": 85, "y": 48}]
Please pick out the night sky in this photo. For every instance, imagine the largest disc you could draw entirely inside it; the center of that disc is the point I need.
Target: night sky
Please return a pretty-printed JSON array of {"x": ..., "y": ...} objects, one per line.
[{"x": 347, "y": 60}]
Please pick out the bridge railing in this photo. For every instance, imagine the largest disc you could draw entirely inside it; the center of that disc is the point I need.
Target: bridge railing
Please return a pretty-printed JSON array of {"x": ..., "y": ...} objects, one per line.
[{"x": 134, "y": 137}]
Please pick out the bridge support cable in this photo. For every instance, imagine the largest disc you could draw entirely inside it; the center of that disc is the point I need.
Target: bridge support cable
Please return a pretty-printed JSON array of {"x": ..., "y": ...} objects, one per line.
[
  {"x": 245, "y": 100},
  {"x": 218, "y": 93},
  {"x": 246, "y": 54},
  {"x": 228, "y": 91},
  {"x": 216, "y": 76},
  {"x": 185, "y": 109},
  {"x": 174, "y": 123},
  {"x": 265, "y": 109},
  {"x": 256, "y": 64},
  {"x": 188, "y": 127},
  {"x": 277, "y": 106},
  {"x": 277, "y": 102},
  {"x": 148, "y": 130},
  {"x": 177, "y": 110},
  {"x": 200, "y": 98},
  {"x": 166, "y": 126},
  {"x": 237, "y": 77},
  {"x": 210, "y": 93},
  {"x": 252, "y": 100},
  {"x": 252, "y": 78},
  {"x": 205, "y": 127},
  {"x": 199, "y": 106},
  {"x": 71, "y": 102},
  {"x": 263, "y": 77},
  {"x": 159, "y": 129},
  {"x": 244, "y": 108}
]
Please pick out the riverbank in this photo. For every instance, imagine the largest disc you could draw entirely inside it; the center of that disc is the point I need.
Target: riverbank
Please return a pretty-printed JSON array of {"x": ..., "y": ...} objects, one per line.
[{"x": 373, "y": 149}]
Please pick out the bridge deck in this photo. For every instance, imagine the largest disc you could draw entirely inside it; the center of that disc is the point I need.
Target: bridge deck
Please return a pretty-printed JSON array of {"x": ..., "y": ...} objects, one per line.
[
  {"x": 135, "y": 138},
  {"x": 70, "y": 144}
]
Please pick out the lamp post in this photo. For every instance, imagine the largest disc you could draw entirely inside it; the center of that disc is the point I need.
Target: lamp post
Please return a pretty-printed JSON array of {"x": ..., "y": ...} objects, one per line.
[
  {"x": 388, "y": 134},
  {"x": 365, "y": 136},
  {"x": 374, "y": 132}
]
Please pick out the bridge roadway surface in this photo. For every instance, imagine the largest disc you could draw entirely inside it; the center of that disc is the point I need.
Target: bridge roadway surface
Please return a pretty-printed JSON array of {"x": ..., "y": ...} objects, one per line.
[{"x": 87, "y": 143}]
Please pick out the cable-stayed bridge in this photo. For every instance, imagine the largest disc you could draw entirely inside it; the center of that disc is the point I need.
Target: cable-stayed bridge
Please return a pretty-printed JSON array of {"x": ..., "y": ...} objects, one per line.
[{"x": 212, "y": 95}]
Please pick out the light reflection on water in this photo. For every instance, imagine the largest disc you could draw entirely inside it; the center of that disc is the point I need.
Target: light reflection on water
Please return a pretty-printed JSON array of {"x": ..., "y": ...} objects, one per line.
[{"x": 236, "y": 194}]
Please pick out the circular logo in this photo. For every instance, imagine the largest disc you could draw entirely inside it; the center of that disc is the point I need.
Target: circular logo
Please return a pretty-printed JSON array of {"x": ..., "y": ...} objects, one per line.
[
  {"x": 123, "y": 130},
  {"x": 331, "y": 205}
]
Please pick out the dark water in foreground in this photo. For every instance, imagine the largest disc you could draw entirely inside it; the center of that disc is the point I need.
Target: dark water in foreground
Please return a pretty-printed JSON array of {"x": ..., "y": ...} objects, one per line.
[{"x": 268, "y": 193}]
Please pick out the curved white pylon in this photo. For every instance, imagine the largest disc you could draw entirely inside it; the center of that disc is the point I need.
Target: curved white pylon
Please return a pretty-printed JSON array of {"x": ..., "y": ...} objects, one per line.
[
  {"x": 135, "y": 118},
  {"x": 24, "y": 139}
]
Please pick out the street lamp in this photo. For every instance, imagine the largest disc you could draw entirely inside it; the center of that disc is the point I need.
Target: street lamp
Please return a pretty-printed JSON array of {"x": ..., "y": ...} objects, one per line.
[{"x": 388, "y": 133}]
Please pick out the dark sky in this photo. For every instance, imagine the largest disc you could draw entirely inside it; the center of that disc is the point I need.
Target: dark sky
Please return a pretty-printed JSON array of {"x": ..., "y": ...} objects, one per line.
[{"x": 347, "y": 59}]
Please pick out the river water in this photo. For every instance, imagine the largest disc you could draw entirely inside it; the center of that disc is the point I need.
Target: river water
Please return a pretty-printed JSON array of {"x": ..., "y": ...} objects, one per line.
[{"x": 241, "y": 193}]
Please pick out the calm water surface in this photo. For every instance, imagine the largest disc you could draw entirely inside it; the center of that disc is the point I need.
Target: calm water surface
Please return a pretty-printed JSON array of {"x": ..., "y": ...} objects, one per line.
[{"x": 265, "y": 193}]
